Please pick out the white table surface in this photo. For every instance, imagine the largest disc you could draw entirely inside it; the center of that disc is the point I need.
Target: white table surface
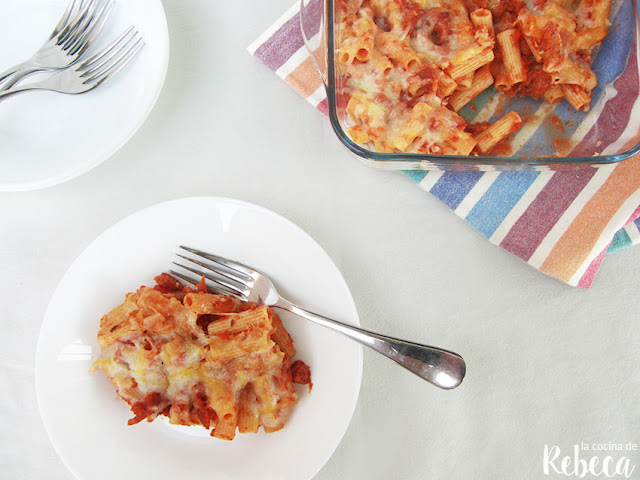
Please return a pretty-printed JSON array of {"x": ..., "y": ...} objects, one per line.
[{"x": 547, "y": 364}]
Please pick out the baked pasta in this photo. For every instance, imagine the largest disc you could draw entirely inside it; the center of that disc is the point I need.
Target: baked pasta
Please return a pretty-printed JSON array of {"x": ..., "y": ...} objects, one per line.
[
  {"x": 407, "y": 67},
  {"x": 200, "y": 359}
]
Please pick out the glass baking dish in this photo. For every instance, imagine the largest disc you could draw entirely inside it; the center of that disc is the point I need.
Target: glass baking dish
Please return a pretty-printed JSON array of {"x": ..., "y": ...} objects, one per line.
[{"x": 553, "y": 136}]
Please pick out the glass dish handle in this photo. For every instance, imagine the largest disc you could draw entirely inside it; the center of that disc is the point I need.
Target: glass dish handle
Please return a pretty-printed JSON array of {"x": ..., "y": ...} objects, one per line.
[{"x": 314, "y": 34}]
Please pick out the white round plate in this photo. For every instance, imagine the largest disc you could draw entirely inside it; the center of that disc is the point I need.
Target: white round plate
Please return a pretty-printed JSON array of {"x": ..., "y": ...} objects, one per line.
[
  {"x": 87, "y": 421},
  {"x": 47, "y": 138}
]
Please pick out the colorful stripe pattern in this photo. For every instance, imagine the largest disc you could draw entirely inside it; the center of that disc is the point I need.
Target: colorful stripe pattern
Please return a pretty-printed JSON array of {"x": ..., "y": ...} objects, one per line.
[{"x": 561, "y": 223}]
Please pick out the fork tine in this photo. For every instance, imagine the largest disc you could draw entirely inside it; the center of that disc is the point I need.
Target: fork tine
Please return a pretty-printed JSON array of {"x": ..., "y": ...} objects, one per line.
[
  {"x": 238, "y": 267},
  {"x": 84, "y": 41},
  {"x": 221, "y": 278},
  {"x": 83, "y": 23},
  {"x": 68, "y": 14},
  {"x": 224, "y": 272},
  {"x": 106, "y": 63},
  {"x": 103, "y": 57},
  {"x": 219, "y": 286},
  {"x": 107, "y": 51},
  {"x": 184, "y": 277},
  {"x": 210, "y": 289},
  {"x": 116, "y": 63},
  {"x": 69, "y": 32}
]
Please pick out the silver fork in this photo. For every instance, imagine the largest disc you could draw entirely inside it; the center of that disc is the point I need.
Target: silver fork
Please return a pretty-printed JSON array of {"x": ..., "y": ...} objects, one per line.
[
  {"x": 70, "y": 12},
  {"x": 77, "y": 29},
  {"x": 92, "y": 72},
  {"x": 439, "y": 367}
]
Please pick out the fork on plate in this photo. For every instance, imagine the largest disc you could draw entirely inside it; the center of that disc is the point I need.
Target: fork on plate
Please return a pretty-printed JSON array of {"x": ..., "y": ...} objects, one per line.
[
  {"x": 90, "y": 73},
  {"x": 77, "y": 29},
  {"x": 440, "y": 367}
]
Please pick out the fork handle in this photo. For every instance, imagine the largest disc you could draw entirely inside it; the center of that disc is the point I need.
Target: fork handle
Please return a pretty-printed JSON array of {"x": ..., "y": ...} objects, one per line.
[
  {"x": 13, "y": 75},
  {"x": 442, "y": 368},
  {"x": 11, "y": 79},
  {"x": 12, "y": 91},
  {"x": 10, "y": 71}
]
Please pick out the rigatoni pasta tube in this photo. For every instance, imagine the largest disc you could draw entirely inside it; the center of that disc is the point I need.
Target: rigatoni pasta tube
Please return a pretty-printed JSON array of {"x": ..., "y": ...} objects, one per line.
[
  {"x": 263, "y": 386},
  {"x": 413, "y": 126},
  {"x": 225, "y": 428},
  {"x": 358, "y": 45},
  {"x": 553, "y": 93},
  {"x": 513, "y": 64},
  {"x": 358, "y": 134},
  {"x": 483, "y": 18},
  {"x": 600, "y": 15},
  {"x": 459, "y": 70},
  {"x": 589, "y": 38},
  {"x": 395, "y": 16},
  {"x": 398, "y": 50},
  {"x": 593, "y": 13},
  {"x": 446, "y": 86},
  {"x": 466, "y": 81},
  {"x": 462, "y": 142},
  {"x": 238, "y": 322},
  {"x": 281, "y": 337},
  {"x": 577, "y": 97},
  {"x": 367, "y": 112},
  {"x": 501, "y": 82},
  {"x": 205, "y": 303},
  {"x": 481, "y": 81},
  {"x": 381, "y": 63},
  {"x": 498, "y": 131},
  {"x": 570, "y": 73},
  {"x": 248, "y": 419}
]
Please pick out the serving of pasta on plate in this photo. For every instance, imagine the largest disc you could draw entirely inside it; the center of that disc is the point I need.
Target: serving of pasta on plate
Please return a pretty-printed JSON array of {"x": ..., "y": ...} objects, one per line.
[{"x": 200, "y": 359}]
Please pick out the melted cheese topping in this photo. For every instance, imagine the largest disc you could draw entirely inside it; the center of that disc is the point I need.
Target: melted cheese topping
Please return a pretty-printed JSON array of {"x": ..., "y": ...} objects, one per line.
[{"x": 165, "y": 356}]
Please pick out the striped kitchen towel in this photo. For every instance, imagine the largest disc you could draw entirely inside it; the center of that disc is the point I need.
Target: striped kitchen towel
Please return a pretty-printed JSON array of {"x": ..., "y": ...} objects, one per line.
[{"x": 561, "y": 223}]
